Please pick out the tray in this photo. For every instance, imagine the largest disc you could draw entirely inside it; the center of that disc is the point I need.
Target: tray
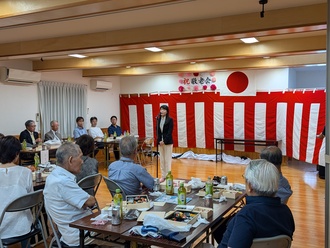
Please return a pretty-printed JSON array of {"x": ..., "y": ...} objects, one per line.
[{"x": 182, "y": 217}]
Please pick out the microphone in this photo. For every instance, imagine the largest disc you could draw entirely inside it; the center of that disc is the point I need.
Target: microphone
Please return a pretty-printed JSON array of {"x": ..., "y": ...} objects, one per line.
[{"x": 157, "y": 116}]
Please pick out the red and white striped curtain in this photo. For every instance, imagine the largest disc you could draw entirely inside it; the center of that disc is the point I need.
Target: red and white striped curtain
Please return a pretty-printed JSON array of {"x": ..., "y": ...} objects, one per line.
[{"x": 292, "y": 118}]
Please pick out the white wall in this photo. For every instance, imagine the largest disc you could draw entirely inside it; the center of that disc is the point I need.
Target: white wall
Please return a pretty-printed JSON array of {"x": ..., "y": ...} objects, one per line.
[
  {"x": 19, "y": 103},
  {"x": 270, "y": 79}
]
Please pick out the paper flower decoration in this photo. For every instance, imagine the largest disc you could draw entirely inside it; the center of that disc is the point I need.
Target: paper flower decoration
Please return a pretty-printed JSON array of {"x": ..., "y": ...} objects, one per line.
[
  {"x": 204, "y": 87},
  {"x": 181, "y": 88},
  {"x": 196, "y": 74},
  {"x": 195, "y": 87},
  {"x": 212, "y": 74},
  {"x": 213, "y": 87},
  {"x": 181, "y": 74},
  {"x": 181, "y": 81},
  {"x": 214, "y": 79}
]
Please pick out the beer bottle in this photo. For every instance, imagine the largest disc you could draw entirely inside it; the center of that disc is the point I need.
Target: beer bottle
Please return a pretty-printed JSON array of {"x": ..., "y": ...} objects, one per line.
[
  {"x": 182, "y": 195},
  {"x": 209, "y": 187},
  {"x": 169, "y": 184},
  {"x": 118, "y": 201}
]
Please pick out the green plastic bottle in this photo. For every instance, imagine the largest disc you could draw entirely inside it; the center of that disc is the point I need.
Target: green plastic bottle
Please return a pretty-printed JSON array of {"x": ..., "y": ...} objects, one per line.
[
  {"x": 209, "y": 187},
  {"x": 36, "y": 160},
  {"x": 24, "y": 145},
  {"x": 182, "y": 195},
  {"x": 114, "y": 134},
  {"x": 169, "y": 184},
  {"x": 118, "y": 201},
  {"x": 105, "y": 137}
]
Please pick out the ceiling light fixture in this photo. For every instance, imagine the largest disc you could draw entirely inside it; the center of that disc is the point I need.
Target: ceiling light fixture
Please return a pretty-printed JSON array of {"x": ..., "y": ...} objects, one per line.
[
  {"x": 192, "y": 62},
  {"x": 128, "y": 66},
  {"x": 153, "y": 49},
  {"x": 249, "y": 40},
  {"x": 80, "y": 56}
]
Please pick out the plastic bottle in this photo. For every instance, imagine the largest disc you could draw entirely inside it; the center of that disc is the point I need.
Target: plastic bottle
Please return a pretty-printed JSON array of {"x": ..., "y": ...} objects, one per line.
[
  {"x": 209, "y": 187},
  {"x": 182, "y": 195},
  {"x": 169, "y": 184},
  {"x": 114, "y": 134},
  {"x": 105, "y": 137},
  {"x": 36, "y": 160},
  {"x": 24, "y": 145},
  {"x": 118, "y": 201}
]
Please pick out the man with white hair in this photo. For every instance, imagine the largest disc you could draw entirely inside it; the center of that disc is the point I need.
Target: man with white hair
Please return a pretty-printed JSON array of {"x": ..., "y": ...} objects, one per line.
[
  {"x": 65, "y": 201},
  {"x": 263, "y": 215},
  {"x": 53, "y": 134}
]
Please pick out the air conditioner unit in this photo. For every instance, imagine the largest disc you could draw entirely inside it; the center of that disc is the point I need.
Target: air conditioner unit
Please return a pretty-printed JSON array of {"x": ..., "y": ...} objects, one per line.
[
  {"x": 100, "y": 85},
  {"x": 8, "y": 75}
]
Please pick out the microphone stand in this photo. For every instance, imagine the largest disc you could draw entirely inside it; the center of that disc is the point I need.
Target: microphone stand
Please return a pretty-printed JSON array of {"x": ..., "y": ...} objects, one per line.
[{"x": 157, "y": 118}]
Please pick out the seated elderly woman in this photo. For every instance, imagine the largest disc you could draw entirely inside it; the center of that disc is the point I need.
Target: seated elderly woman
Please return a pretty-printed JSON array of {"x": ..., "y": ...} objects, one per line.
[
  {"x": 90, "y": 165},
  {"x": 264, "y": 215},
  {"x": 15, "y": 181}
]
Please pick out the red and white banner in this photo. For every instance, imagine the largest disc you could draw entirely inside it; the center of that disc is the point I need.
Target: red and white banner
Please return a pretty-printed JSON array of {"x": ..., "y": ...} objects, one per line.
[{"x": 292, "y": 118}]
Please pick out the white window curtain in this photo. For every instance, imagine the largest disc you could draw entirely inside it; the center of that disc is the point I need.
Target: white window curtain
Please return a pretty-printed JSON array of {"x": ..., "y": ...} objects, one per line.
[{"x": 63, "y": 102}]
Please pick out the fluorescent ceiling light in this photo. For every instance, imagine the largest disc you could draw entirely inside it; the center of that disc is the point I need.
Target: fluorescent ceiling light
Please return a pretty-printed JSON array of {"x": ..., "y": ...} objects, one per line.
[
  {"x": 192, "y": 62},
  {"x": 153, "y": 49},
  {"x": 77, "y": 56},
  {"x": 313, "y": 65},
  {"x": 249, "y": 40}
]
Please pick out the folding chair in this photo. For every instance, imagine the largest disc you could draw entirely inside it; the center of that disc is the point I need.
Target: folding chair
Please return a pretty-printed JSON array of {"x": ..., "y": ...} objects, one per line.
[
  {"x": 112, "y": 186},
  {"x": 91, "y": 184},
  {"x": 280, "y": 241},
  {"x": 33, "y": 201}
]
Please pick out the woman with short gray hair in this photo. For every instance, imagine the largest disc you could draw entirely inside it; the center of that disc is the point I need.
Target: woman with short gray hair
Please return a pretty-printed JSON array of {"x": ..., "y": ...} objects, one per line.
[{"x": 263, "y": 215}]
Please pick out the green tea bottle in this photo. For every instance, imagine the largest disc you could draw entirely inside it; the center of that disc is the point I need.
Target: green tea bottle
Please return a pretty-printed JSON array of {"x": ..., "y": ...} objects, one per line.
[
  {"x": 182, "y": 195},
  {"x": 24, "y": 145},
  {"x": 36, "y": 160},
  {"x": 169, "y": 184},
  {"x": 209, "y": 187},
  {"x": 118, "y": 201}
]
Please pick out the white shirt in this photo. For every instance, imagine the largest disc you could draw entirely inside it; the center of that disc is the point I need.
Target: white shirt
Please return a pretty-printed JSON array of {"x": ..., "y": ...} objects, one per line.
[
  {"x": 64, "y": 200},
  {"x": 15, "y": 182},
  {"x": 95, "y": 132}
]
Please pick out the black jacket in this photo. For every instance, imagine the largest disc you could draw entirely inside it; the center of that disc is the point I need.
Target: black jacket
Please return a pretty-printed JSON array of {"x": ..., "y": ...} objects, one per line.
[
  {"x": 25, "y": 135},
  {"x": 167, "y": 131}
]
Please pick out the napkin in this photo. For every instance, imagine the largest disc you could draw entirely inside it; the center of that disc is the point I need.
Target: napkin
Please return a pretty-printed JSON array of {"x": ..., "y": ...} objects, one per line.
[
  {"x": 196, "y": 183},
  {"x": 200, "y": 220},
  {"x": 157, "y": 193}
]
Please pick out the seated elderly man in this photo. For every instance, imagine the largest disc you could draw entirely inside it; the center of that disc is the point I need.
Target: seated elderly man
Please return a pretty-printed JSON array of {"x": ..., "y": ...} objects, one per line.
[
  {"x": 263, "y": 215},
  {"x": 273, "y": 154},
  {"x": 64, "y": 199},
  {"x": 53, "y": 134},
  {"x": 29, "y": 135},
  {"x": 128, "y": 174}
]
